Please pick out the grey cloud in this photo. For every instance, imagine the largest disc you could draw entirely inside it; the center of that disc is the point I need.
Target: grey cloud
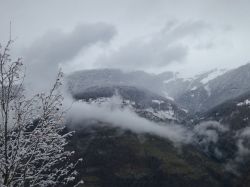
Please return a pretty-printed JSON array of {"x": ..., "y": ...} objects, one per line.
[
  {"x": 207, "y": 133},
  {"x": 45, "y": 55},
  {"x": 143, "y": 55},
  {"x": 243, "y": 137},
  {"x": 209, "y": 130},
  {"x": 136, "y": 18},
  {"x": 158, "y": 50},
  {"x": 56, "y": 46},
  {"x": 175, "y": 30}
]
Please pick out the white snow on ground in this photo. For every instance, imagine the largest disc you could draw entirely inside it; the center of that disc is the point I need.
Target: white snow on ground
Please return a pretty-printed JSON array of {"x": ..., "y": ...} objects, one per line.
[
  {"x": 178, "y": 76},
  {"x": 194, "y": 88},
  {"x": 185, "y": 110},
  {"x": 172, "y": 79},
  {"x": 207, "y": 88},
  {"x": 167, "y": 96},
  {"x": 116, "y": 102},
  {"x": 162, "y": 114},
  {"x": 128, "y": 102},
  {"x": 214, "y": 74},
  {"x": 246, "y": 102},
  {"x": 127, "y": 119},
  {"x": 187, "y": 79},
  {"x": 169, "y": 80},
  {"x": 157, "y": 101}
]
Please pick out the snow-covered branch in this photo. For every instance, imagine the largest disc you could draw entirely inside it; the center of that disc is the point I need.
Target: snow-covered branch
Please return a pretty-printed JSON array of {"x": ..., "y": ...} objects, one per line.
[{"x": 32, "y": 142}]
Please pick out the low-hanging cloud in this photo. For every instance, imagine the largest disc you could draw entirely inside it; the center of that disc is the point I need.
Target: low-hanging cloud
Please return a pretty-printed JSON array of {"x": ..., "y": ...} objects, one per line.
[
  {"x": 206, "y": 135},
  {"x": 46, "y": 53},
  {"x": 112, "y": 114},
  {"x": 209, "y": 131},
  {"x": 241, "y": 139},
  {"x": 171, "y": 44}
]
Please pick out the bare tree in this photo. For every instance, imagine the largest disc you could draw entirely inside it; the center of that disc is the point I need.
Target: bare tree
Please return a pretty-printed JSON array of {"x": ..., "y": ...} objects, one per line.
[{"x": 32, "y": 144}]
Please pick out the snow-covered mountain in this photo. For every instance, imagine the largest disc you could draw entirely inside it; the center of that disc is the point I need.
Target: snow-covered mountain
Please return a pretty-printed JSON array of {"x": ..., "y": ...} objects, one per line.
[
  {"x": 216, "y": 90},
  {"x": 145, "y": 103},
  {"x": 220, "y": 131},
  {"x": 81, "y": 80},
  {"x": 196, "y": 94},
  {"x": 178, "y": 85}
]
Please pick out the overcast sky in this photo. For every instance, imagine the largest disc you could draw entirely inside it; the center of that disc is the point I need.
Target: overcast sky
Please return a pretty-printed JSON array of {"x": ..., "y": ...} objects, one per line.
[{"x": 152, "y": 35}]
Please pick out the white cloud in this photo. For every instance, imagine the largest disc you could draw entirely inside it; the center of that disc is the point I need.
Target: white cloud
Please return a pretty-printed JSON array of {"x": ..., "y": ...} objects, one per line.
[{"x": 112, "y": 114}]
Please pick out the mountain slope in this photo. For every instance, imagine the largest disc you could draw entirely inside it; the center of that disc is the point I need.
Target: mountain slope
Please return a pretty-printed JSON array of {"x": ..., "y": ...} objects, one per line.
[
  {"x": 79, "y": 81},
  {"x": 121, "y": 158},
  {"x": 234, "y": 144},
  {"x": 116, "y": 156},
  {"x": 224, "y": 87},
  {"x": 143, "y": 102},
  {"x": 195, "y": 93},
  {"x": 235, "y": 112}
]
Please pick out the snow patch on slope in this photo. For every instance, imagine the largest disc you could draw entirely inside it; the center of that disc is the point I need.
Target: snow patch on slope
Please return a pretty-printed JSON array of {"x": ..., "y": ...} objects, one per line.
[
  {"x": 178, "y": 76},
  {"x": 162, "y": 114},
  {"x": 207, "y": 88},
  {"x": 166, "y": 95},
  {"x": 214, "y": 74},
  {"x": 244, "y": 103},
  {"x": 194, "y": 88}
]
